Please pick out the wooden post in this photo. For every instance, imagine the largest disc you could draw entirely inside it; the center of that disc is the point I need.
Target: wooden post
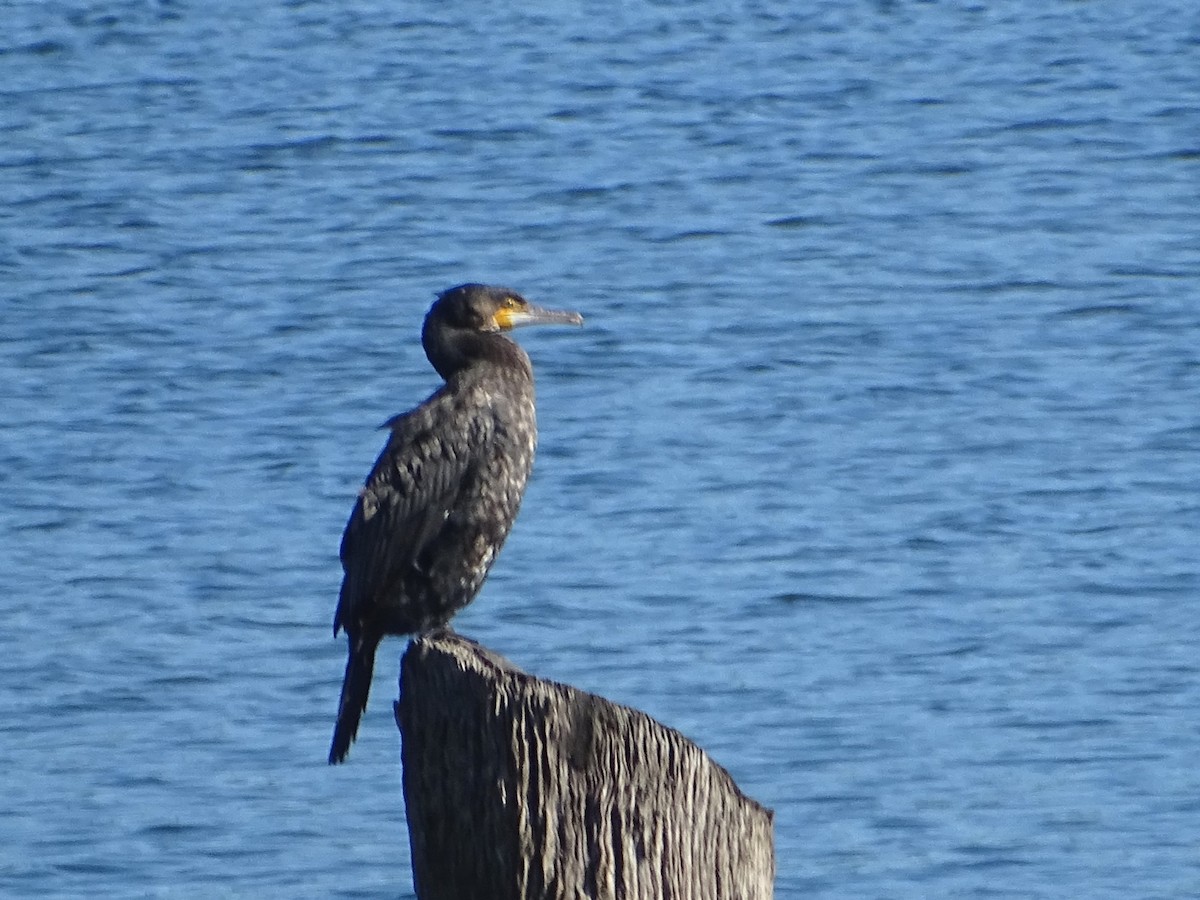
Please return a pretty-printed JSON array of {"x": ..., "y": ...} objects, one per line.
[{"x": 526, "y": 789}]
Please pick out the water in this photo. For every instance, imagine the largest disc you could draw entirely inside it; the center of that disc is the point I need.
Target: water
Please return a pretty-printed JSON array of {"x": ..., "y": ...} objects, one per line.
[{"x": 874, "y": 470}]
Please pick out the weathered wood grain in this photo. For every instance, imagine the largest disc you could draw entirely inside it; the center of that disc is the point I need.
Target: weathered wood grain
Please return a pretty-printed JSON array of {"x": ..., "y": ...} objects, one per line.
[{"x": 517, "y": 787}]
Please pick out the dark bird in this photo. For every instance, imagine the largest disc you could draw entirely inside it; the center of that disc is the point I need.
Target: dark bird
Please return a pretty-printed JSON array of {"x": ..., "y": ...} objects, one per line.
[{"x": 443, "y": 494}]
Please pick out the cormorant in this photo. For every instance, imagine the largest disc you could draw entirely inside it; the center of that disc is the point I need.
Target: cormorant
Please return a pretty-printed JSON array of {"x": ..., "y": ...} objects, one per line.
[{"x": 443, "y": 494}]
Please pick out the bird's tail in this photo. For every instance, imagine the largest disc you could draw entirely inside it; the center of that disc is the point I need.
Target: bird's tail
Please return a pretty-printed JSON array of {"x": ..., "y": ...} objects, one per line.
[{"x": 355, "y": 687}]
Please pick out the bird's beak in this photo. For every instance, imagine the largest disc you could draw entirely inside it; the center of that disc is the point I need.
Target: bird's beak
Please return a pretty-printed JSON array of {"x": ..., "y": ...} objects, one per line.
[{"x": 535, "y": 315}]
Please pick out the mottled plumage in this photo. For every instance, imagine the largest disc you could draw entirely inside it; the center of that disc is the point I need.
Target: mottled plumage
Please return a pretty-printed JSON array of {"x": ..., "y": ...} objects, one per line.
[{"x": 443, "y": 494}]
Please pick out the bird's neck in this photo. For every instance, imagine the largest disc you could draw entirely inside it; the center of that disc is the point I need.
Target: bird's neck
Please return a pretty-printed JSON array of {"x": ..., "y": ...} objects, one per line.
[{"x": 453, "y": 351}]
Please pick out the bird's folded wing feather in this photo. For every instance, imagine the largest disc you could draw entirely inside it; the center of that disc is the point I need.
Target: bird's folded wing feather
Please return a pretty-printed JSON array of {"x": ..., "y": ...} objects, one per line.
[{"x": 407, "y": 497}]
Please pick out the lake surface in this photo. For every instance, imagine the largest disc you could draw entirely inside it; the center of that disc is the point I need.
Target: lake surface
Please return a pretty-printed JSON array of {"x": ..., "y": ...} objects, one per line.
[{"x": 874, "y": 470}]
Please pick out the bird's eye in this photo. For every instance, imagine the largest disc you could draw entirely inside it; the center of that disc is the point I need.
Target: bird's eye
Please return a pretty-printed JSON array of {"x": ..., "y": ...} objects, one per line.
[{"x": 512, "y": 303}]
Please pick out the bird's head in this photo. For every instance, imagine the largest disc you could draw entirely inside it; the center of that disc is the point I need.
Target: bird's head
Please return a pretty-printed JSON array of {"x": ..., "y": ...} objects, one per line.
[
  {"x": 462, "y": 316},
  {"x": 485, "y": 308}
]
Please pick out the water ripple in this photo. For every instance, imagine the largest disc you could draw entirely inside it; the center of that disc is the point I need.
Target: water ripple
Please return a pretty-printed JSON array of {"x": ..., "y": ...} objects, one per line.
[{"x": 873, "y": 469}]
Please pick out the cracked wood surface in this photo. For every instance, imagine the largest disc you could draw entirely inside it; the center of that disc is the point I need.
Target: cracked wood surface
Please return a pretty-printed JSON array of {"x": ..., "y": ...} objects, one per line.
[{"x": 517, "y": 787}]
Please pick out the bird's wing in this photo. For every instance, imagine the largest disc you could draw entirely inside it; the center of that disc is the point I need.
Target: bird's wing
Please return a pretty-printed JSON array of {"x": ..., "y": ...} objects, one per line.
[{"x": 407, "y": 497}]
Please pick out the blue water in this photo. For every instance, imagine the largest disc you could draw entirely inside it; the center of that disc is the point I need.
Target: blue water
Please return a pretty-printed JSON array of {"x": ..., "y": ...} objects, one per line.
[{"x": 874, "y": 470}]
